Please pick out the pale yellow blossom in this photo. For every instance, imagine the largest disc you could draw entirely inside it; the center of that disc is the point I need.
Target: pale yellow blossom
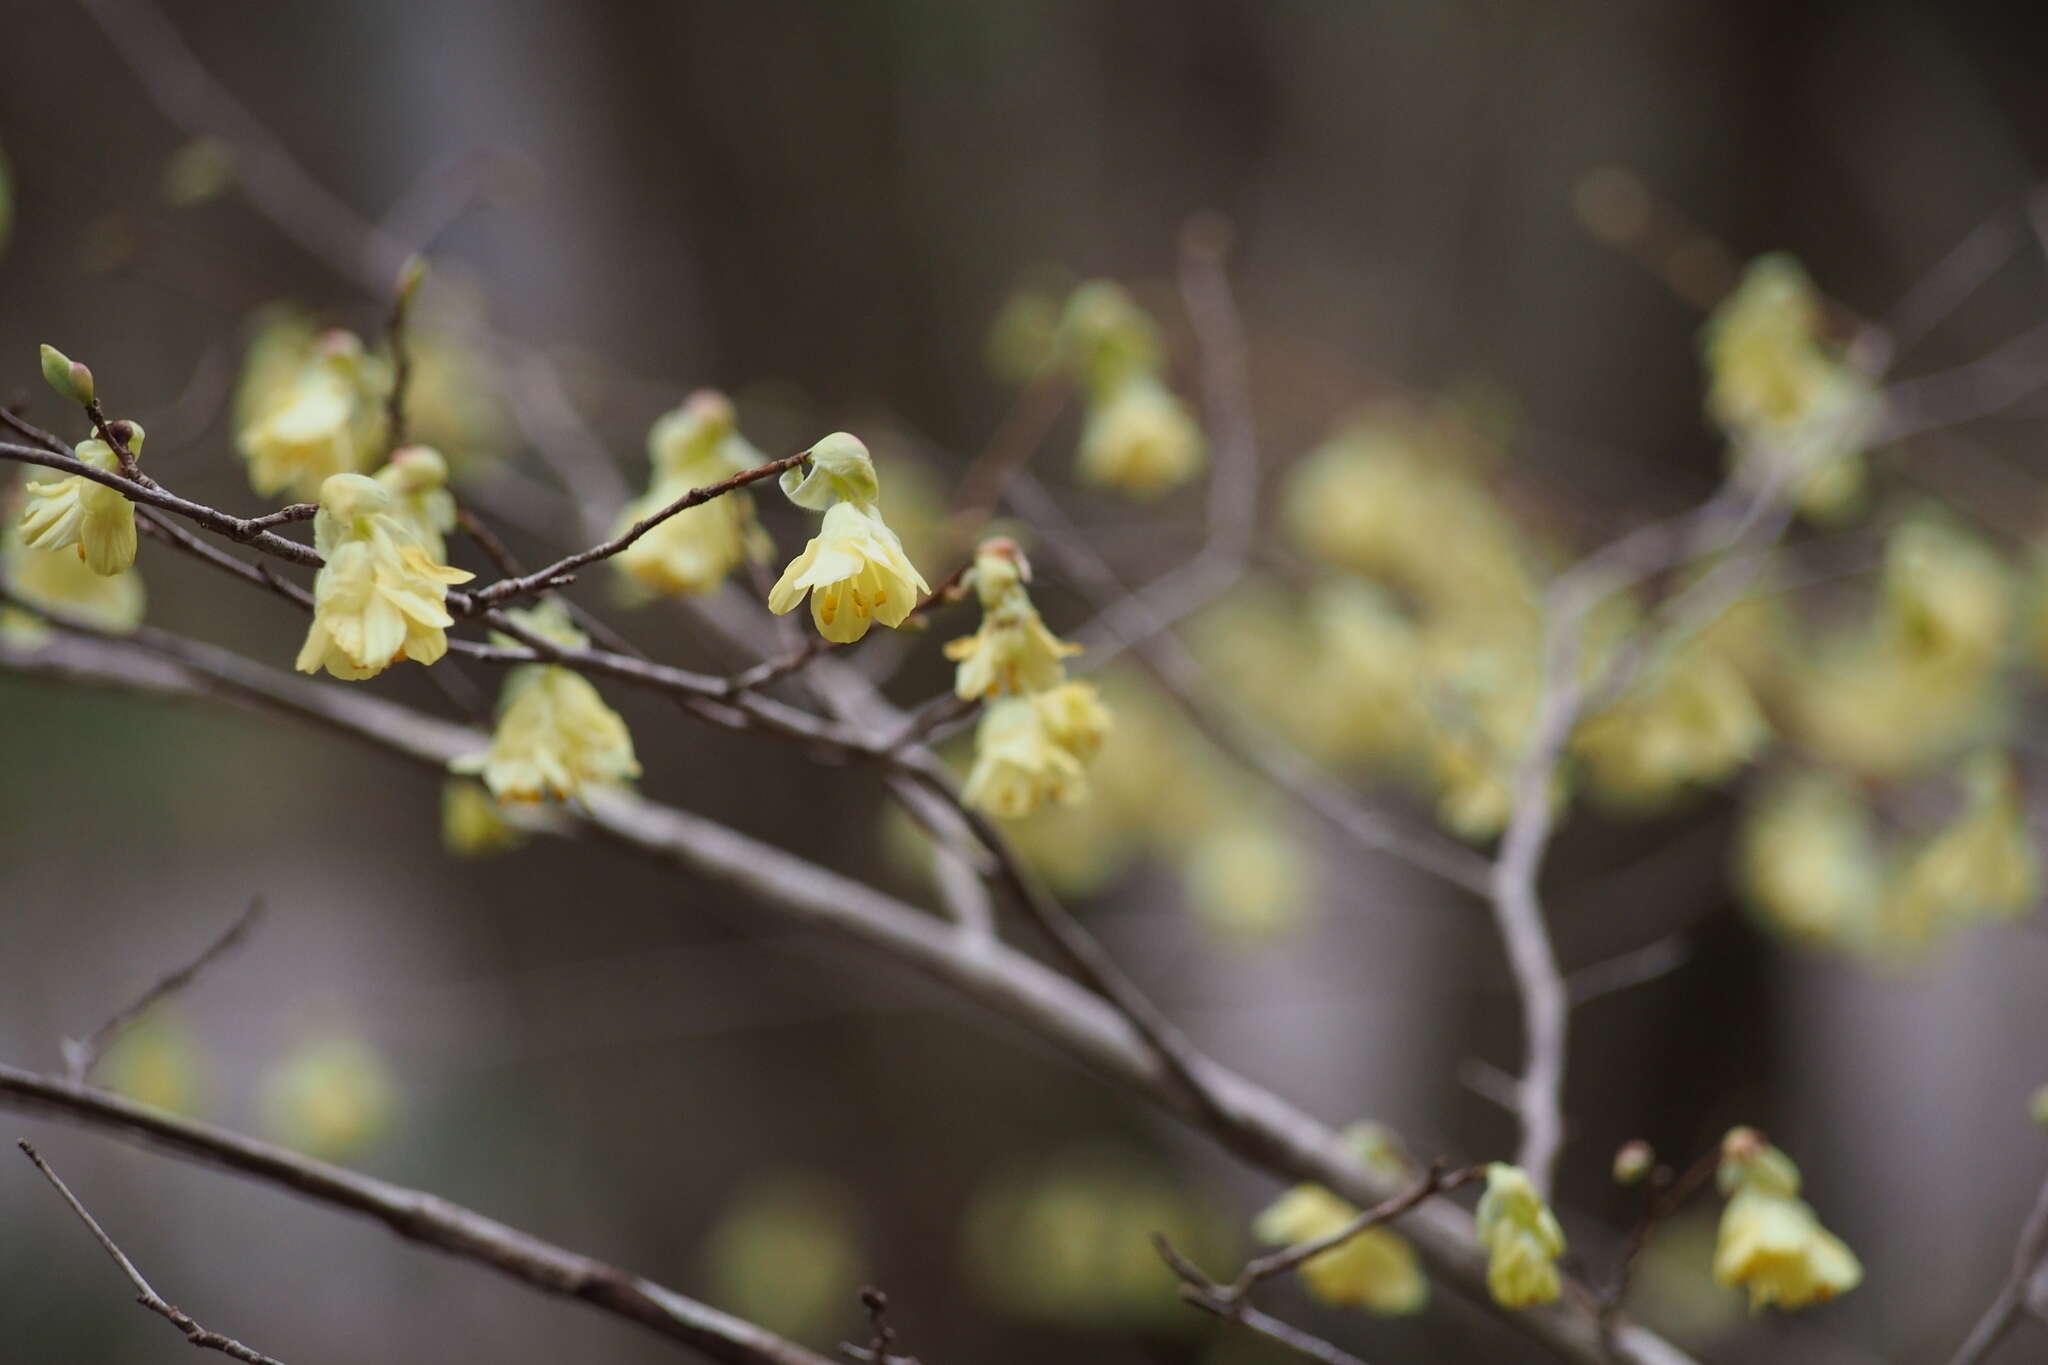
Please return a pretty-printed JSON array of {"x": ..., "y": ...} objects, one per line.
[
  {"x": 1018, "y": 765},
  {"x": 83, "y": 514},
  {"x": 854, "y": 569},
  {"x": 380, "y": 597},
  {"x": 1375, "y": 1269},
  {"x": 62, "y": 582},
  {"x": 310, "y": 406},
  {"x": 1139, "y": 438},
  {"x": 1521, "y": 1237},
  {"x": 555, "y": 736},
  {"x": 1013, "y": 652},
  {"x": 694, "y": 446},
  {"x": 1771, "y": 1242},
  {"x": 417, "y": 479}
]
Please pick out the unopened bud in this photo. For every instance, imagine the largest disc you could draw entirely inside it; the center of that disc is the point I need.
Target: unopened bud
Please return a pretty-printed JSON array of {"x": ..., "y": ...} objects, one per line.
[
  {"x": 69, "y": 378},
  {"x": 1632, "y": 1161}
]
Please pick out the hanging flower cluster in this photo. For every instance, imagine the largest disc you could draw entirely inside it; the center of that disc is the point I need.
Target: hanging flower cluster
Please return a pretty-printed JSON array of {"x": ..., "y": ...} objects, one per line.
[{"x": 1037, "y": 730}]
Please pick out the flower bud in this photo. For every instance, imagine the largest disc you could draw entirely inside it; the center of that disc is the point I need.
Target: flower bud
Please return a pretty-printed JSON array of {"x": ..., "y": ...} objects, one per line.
[
  {"x": 839, "y": 470},
  {"x": 409, "y": 276},
  {"x": 69, "y": 378},
  {"x": 1632, "y": 1161}
]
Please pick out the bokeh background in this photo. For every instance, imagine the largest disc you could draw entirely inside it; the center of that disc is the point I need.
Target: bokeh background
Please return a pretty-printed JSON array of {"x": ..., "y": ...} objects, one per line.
[{"x": 821, "y": 208}]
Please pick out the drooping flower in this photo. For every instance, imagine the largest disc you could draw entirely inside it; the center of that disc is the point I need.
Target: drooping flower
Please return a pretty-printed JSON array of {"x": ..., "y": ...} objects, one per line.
[
  {"x": 555, "y": 736},
  {"x": 1140, "y": 439},
  {"x": 1981, "y": 863},
  {"x": 1809, "y": 860},
  {"x": 1013, "y": 652},
  {"x": 472, "y": 822},
  {"x": 1018, "y": 765},
  {"x": 310, "y": 406},
  {"x": 417, "y": 479},
  {"x": 1771, "y": 1242},
  {"x": 60, "y": 581},
  {"x": 1793, "y": 404},
  {"x": 1375, "y": 1269},
  {"x": 79, "y": 512},
  {"x": 854, "y": 569},
  {"x": 1074, "y": 718},
  {"x": 1521, "y": 1237},
  {"x": 693, "y": 446},
  {"x": 380, "y": 598}
]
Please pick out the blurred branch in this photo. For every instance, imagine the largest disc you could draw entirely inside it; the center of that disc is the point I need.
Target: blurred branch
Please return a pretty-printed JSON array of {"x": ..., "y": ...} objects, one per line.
[
  {"x": 144, "y": 1295},
  {"x": 81, "y": 1055},
  {"x": 1248, "y": 1120},
  {"x": 415, "y": 1216},
  {"x": 2004, "y": 1310}
]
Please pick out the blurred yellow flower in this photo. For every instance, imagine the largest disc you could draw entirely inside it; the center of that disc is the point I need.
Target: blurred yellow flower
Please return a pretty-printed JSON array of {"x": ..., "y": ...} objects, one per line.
[
  {"x": 1981, "y": 863},
  {"x": 472, "y": 823},
  {"x": 1809, "y": 860},
  {"x": 330, "y": 1096},
  {"x": 1693, "y": 721},
  {"x": 1018, "y": 764},
  {"x": 1521, "y": 1237},
  {"x": 310, "y": 406},
  {"x": 1250, "y": 879},
  {"x": 380, "y": 597},
  {"x": 1140, "y": 439},
  {"x": 1793, "y": 406},
  {"x": 62, "y": 582},
  {"x": 555, "y": 736},
  {"x": 78, "y": 512},
  {"x": 783, "y": 1253},
  {"x": 693, "y": 446},
  {"x": 1771, "y": 1243},
  {"x": 1376, "y": 1269}
]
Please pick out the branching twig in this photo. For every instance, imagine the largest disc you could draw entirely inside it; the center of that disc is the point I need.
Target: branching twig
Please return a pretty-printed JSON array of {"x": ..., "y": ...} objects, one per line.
[
  {"x": 144, "y": 1295},
  {"x": 81, "y": 1055},
  {"x": 2005, "y": 1309}
]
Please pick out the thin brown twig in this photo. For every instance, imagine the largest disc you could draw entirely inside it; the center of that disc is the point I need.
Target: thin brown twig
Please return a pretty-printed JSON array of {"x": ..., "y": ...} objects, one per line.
[
  {"x": 82, "y": 1054},
  {"x": 144, "y": 1294},
  {"x": 2006, "y": 1308},
  {"x": 563, "y": 569},
  {"x": 1665, "y": 1196}
]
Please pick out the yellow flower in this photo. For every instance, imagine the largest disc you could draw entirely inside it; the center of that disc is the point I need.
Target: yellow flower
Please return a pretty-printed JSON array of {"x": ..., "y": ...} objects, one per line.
[
  {"x": 1795, "y": 407},
  {"x": 1013, "y": 652},
  {"x": 309, "y": 408},
  {"x": 1692, "y": 722},
  {"x": 1983, "y": 862},
  {"x": 1375, "y": 1269},
  {"x": 380, "y": 598},
  {"x": 417, "y": 480},
  {"x": 1105, "y": 338},
  {"x": 854, "y": 569},
  {"x": 1771, "y": 1242},
  {"x": 1809, "y": 860},
  {"x": 693, "y": 446},
  {"x": 1018, "y": 765},
  {"x": 783, "y": 1250},
  {"x": 330, "y": 1096},
  {"x": 472, "y": 823},
  {"x": 65, "y": 583},
  {"x": 1249, "y": 879},
  {"x": 76, "y": 511},
  {"x": 1139, "y": 438},
  {"x": 1075, "y": 718},
  {"x": 554, "y": 737},
  {"x": 1522, "y": 1239}
]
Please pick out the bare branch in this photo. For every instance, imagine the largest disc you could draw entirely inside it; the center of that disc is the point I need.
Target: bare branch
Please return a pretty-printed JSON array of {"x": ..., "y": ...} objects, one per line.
[
  {"x": 2005, "y": 1309},
  {"x": 81, "y": 1055},
  {"x": 146, "y": 1296}
]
